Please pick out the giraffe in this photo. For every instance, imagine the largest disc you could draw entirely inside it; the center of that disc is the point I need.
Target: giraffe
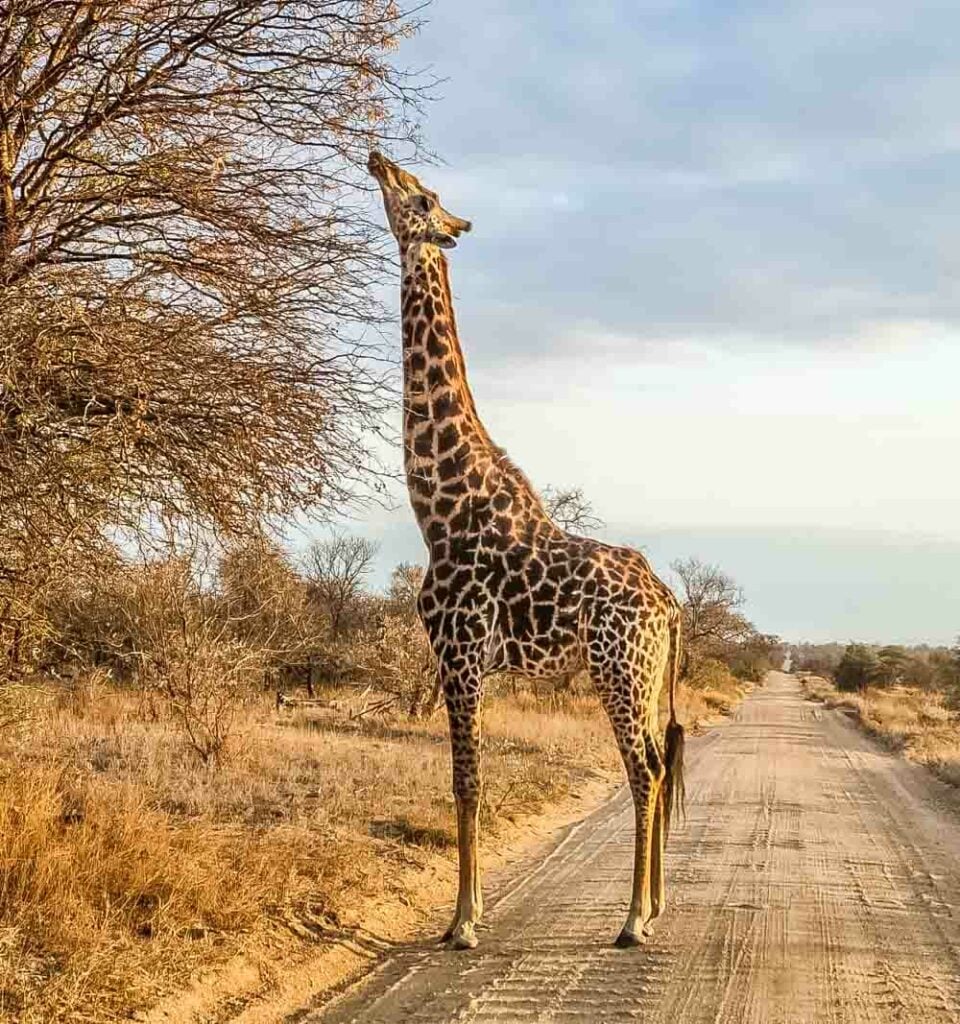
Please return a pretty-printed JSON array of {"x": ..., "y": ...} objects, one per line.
[{"x": 506, "y": 589}]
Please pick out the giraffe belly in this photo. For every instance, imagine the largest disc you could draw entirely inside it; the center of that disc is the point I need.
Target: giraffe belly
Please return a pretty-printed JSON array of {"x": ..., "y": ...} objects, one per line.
[{"x": 538, "y": 656}]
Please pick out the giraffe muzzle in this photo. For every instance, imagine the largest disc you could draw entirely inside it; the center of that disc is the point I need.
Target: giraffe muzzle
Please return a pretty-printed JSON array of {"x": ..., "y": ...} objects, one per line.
[{"x": 380, "y": 167}]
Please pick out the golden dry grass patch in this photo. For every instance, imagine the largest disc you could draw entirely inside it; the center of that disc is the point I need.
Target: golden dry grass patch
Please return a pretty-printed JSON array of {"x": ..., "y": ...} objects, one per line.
[{"x": 125, "y": 864}]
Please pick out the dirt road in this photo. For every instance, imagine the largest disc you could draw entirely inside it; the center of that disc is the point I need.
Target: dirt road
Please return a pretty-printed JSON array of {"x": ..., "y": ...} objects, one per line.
[{"x": 816, "y": 879}]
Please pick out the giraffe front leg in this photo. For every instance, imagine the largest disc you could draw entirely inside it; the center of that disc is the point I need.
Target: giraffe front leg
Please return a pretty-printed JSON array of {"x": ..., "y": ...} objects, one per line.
[
  {"x": 462, "y": 931},
  {"x": 463, "y": 708}
]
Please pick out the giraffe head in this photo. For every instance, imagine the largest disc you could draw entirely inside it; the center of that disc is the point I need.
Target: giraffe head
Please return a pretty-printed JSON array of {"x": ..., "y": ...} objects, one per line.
[{"x": 414, "y": 212}]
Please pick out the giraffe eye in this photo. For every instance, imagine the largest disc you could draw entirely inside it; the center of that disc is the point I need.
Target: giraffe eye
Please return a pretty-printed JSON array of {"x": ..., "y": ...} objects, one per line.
[{"x": 422, "y": 203}]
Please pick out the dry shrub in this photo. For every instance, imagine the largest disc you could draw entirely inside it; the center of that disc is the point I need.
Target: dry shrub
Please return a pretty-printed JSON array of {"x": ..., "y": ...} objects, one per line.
[
  {"x": 152, "y": 625},
  {"x": 21, "y": 705},
  {"x": 710, "y": 690},
  {"x": 397, "y": 658},
  {"x": 269, "y": 607},
  {"x": 203, "y": 677},
  {"x": 537, "y": 748},
  {"x": 188, "y": 656},
  {"x": 88, "y": 871},
  {"x": 710, "y": 674},
  {"x": 716, "y": 700}
]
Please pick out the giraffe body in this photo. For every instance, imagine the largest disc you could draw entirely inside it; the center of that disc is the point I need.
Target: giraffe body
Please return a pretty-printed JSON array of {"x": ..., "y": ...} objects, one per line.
[{"x": 506, "y": 588}]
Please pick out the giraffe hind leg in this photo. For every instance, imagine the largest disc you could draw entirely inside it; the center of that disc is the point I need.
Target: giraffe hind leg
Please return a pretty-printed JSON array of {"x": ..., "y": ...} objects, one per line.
[
  {"x": 633, "y": 728},
  {"x": 657, "y": 881},
  {"x": 645, "y": 775}
]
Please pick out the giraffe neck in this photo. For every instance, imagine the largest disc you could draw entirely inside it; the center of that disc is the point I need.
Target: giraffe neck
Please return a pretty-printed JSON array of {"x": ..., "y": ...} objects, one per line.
[
  {"x": 443, "y": 433},
  {"x": 454, "y": 470}
]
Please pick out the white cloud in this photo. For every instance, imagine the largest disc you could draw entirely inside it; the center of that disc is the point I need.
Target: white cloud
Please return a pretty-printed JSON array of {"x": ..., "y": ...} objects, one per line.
[{"x": 785, "y": 438}]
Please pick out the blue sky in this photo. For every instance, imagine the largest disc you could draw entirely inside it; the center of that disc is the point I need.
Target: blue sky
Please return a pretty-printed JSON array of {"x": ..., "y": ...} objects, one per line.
[{"x": 713, "y": 280}]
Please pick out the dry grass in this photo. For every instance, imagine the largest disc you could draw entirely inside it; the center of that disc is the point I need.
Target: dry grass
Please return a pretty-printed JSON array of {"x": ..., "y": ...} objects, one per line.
[
  {"x": 125, "y": 865},
  {"x": 915, "y": 722}
]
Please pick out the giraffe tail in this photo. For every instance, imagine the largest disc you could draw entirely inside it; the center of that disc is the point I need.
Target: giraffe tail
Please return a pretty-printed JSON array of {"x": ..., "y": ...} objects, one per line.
[{"x": 674, "y": 794}]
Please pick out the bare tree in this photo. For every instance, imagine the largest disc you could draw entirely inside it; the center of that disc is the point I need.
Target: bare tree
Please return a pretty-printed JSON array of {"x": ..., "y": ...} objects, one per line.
[
  {"x": 185, "y": 270},
  {"x": 712, "y": 623},
  {"x": 405, "y": 583},
  {"x": 269, "y": 606},
  {"x": 188, "y": 654},
  {"x": 570, "y": 509},
  {"x": 336, "y": 570}
]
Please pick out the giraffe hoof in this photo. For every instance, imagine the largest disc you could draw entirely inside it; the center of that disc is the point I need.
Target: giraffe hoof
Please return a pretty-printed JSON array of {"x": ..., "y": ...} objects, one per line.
[
  {"x": 463, "y": 937},
  {"x": 627, "y": 939}
]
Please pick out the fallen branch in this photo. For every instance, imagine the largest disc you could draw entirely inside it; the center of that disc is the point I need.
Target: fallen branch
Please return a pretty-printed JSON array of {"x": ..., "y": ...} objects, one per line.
[
  {"x": 283, "y": 701},
  {"x": 380, "y": 705}
]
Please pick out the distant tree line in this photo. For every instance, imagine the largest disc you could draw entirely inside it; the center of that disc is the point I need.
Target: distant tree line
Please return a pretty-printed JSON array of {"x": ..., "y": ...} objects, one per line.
[{"x": 856, "y": 666}]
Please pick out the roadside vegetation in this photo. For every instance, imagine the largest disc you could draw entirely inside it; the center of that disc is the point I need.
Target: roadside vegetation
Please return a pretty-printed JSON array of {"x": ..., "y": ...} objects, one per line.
[
  {"x": 127, "y": 862},
  {"x": 906, "y": 697}
]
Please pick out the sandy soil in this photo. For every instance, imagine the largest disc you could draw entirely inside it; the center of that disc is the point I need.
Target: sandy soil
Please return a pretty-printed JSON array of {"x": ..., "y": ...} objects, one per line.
[{"x": 816, "y": 879}]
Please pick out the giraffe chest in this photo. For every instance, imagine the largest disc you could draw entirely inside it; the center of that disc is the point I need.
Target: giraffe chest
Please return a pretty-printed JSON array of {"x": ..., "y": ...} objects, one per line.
[{"x": 523, "y": 603}]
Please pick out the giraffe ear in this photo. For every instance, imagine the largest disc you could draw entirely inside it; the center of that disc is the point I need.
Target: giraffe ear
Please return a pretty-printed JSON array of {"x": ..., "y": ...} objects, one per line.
[{"x": 444, "y": 240}]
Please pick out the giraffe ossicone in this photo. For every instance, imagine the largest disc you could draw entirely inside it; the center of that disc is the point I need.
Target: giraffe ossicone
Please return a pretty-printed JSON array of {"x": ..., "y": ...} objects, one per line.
[{"x": 506, "y": 589}]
